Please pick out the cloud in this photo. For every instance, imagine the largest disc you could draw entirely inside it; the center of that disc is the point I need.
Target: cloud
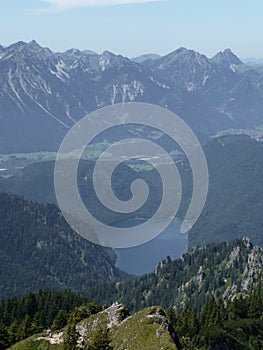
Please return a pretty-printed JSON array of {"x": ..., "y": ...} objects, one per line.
[{"x": 69, "y": 4}]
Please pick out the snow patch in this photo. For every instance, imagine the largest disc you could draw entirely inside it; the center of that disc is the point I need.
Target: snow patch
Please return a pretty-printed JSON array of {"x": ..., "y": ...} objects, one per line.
[{"x": 60, "y": 72}]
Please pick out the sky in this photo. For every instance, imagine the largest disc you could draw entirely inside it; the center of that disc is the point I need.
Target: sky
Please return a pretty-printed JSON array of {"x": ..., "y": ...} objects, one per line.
[{"x": 134, "y": 27}]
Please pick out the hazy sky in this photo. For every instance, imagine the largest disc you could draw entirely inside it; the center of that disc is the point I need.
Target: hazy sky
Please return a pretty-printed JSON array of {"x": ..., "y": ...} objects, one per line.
[{"x": 133, "y": 27}]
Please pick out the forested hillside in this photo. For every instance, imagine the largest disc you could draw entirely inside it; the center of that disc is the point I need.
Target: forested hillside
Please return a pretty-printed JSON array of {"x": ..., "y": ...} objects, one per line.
[
  {"x": 39, "y": 250},
  {"x": 234, "y": 204},
  {"x": 217, "y": 270},
  {"x": 36, "y": 183},
  {"x": 235, "y": 325},
  {"x": 235, "y": 200}
]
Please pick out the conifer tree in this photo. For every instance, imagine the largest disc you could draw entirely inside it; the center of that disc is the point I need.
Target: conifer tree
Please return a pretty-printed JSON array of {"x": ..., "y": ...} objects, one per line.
[
  {"x": 100, "y": 340},
  {"x": 4, "y": 343},
  {"x": 24, "y": 329},
  {"x": 60, "y": 320},
  {"x": 70, "y": 337}
]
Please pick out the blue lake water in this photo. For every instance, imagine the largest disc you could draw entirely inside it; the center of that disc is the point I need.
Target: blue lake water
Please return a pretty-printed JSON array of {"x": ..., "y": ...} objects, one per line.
[{"x": 144, "y": 258}]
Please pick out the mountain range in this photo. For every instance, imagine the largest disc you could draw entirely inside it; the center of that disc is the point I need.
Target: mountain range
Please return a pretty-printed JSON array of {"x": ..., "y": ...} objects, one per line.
[
  {"x": 211, "y": 297},
  {"x": 43, "y": 93}
]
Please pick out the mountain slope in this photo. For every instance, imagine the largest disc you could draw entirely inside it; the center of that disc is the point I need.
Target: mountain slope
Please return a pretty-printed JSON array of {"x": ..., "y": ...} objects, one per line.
[
  {"x": 226, "y": 59},
  {"x": 39, "y": 250},
  {"x": 234, "y": 325},
  {"x": 234, "y": 204},
  {"x": 208, "y": 85},
  {"x": 187, "y": 69},
  {"x": 217, "y": 270},
  {"x": 147, "y": 329},
  {"x": 43, "y": 93},
  {"x": 111, "y": 329},
  {"x": 36, "y": 183},
  {"x": 145, "y": 57},
  {"x": 212, "y": 298}
]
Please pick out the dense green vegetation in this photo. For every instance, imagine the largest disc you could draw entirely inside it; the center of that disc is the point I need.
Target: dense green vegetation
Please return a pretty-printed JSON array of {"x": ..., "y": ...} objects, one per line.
[
  {"x": 217, "y": 270},
  {"x": 39, "y": 250},
  {"x": 35, "y": 312},
  {"x": 212, "y": 295},
  {"x": 146, "y": 329},
  {"x": 218, "y": 306},
  {"x": 235, "y": 201},
  {"x": 235, "y": 325},
  {"x": 33, "y": 343}
]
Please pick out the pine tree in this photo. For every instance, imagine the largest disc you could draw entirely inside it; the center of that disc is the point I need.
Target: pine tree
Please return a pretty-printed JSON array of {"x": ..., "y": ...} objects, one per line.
[
  {"x": 70, "y": 337},
  {"x": 12, "y": 332},
  {"x": 4, "y": 343},
  {"x": 100, "y": 340},
  {"x": 188, "y": 325},
  {"x": 60, "y": 320},
  {"x": 36, "y": 326},
  {"x": 24, "y": 329}
]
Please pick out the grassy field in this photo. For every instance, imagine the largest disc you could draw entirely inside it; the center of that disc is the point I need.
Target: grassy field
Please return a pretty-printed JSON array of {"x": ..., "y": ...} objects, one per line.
[
  {"x": 29, "y": 156},
  {"x": 91, "y": 151}
]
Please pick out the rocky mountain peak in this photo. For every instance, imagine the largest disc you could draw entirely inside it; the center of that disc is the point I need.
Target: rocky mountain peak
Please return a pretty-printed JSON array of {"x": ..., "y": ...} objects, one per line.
[
  {"x": 13, "y": 49},
  {"x": 22, "y": 49},
  {"x": 90, "y": 52},
  {"x": 75, "y": 59},
  {"x": 226, "y": 59},
  {"x": 72, "y": 52},
  {"x": 2, "y": 51},
  {"x": 247, "y": 242},
  {"x": 110, "y": 60},
  {"x": 35, "y": 48},
  {"x": 33, "y": 45},
  {"x": 146, "y": 57},
  {"x": 183, "y": 55},
  {"x": 61, "y": 88},
  {"x": 108, "y": 54},
  {"x": 180, "y": 50},
  {"x": 164, "y": 262},
  {"x": 20, "y": 45},
  {"x": 187, "y": 69}
]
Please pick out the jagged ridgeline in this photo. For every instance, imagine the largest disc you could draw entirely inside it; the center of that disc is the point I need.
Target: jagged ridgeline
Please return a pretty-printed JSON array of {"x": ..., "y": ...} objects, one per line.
[
  {"x": 39, "y": 250},
  {"x": 217, "y": 270},
  {"x": 38, "y": 105}
]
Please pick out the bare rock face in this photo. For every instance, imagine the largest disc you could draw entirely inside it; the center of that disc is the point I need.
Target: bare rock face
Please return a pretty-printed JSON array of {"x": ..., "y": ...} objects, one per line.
[{"x": 46, "y": 92}]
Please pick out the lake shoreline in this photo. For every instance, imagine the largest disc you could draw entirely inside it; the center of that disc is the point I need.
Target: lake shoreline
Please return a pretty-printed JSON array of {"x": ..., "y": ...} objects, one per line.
[{"x": 144, "y": 258}]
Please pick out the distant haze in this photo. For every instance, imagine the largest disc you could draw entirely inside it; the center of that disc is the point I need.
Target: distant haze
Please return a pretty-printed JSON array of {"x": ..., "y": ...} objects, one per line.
[{"x": 134, "y": 27}]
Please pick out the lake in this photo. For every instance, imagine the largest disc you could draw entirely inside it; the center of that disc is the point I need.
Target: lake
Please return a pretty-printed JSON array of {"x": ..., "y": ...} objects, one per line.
[{"x": 144, "y": 258}]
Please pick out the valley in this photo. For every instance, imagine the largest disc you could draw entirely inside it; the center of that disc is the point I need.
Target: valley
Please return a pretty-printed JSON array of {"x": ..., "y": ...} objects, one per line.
[{"x": 177, "y": 291}]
